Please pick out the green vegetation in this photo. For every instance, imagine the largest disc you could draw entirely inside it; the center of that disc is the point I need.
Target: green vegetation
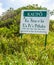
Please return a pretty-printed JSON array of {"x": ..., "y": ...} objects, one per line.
[{"x": 24, "y": 49}]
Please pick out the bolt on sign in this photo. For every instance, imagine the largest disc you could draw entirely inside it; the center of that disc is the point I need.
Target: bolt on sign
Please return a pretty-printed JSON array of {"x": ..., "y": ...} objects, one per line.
[{"x": 34, "y": 21}]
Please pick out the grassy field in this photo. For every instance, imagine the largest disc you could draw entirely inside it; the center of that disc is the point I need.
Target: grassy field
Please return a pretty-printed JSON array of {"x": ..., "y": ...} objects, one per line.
[{"x": 28, "y": 50}]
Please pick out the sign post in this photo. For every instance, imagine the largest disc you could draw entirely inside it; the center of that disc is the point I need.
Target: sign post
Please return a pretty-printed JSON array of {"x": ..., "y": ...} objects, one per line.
[
  {"x": 35, "y": 22},
  {"x": 45, "y": 40}
]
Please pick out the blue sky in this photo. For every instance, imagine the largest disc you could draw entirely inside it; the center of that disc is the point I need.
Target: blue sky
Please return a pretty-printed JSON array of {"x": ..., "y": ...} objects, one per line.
[{"x": 6, "y": 4}]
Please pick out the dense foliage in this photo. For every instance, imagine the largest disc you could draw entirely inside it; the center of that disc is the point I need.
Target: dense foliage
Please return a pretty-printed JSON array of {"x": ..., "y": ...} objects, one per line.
[{"x": 24, "y": 49}]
